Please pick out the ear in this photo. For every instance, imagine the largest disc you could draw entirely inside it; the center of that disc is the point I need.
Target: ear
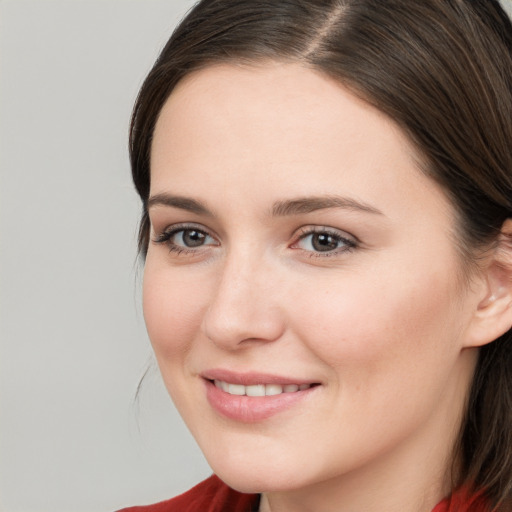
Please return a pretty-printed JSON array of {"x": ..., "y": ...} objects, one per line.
[{"x": 493, "y": 315}]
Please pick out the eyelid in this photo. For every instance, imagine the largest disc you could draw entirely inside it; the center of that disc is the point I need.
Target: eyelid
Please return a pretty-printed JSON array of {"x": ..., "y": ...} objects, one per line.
[
  {"x": 181, "y": 226},
  {"x": 318, "y": 228},
  {"x": 164, "y": 237},
  {"x": 351, "y": 241}
]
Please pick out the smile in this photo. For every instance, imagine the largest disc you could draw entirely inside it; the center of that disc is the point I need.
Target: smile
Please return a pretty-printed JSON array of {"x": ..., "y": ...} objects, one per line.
[
  {"x": 254, "y": 397},
  {"x": 259, "y": 389}
]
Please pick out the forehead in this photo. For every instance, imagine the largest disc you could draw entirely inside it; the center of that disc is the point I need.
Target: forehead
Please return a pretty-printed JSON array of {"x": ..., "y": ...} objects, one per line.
[
  {"x": 273, "y": 98},
  {"x": 284, "y": 128}
]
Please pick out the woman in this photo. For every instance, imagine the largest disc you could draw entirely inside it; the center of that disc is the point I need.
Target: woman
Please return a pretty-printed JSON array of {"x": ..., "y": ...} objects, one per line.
[{"x": 327, "y": 234}]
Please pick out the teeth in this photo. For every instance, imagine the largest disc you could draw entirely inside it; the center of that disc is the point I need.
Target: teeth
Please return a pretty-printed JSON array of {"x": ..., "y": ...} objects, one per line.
[
  {"x": 256, "y": 390},
  {"x": 221, "y": 385},
  {"x": 236, "y": 389},
  {"x": 259, "y": 389},
  {"x": 273, "y": 389}
]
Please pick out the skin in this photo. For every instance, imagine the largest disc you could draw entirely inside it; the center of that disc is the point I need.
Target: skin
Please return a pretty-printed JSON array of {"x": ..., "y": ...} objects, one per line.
[{"x": 385, "y": 323}]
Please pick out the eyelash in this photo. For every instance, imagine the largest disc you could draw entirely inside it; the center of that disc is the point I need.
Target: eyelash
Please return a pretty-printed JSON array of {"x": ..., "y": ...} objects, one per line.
[
  {"x": 166, "y": 236},
  {"x": 349, "y": 243}
]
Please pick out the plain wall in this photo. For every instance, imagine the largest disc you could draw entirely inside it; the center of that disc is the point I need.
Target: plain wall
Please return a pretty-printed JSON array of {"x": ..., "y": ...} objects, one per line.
[{"x": 73, "y": 344}]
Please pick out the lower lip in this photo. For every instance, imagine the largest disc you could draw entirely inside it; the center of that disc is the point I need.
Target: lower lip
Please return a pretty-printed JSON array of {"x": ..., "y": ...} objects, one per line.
[{"x": 251, "y": 409}]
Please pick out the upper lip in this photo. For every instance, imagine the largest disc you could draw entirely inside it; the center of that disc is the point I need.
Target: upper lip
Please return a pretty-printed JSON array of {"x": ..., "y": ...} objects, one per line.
[{"x": 251, "y": 378}]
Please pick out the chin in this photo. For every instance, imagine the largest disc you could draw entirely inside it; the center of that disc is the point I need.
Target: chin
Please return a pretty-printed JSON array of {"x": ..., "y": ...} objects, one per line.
[
  {"x": 255, "y": 475},
  {"x": 252, "y": 482}
]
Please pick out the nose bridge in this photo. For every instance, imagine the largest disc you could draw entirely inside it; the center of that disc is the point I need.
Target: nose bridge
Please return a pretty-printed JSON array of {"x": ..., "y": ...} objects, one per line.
[{"x": 244, "y": 305}]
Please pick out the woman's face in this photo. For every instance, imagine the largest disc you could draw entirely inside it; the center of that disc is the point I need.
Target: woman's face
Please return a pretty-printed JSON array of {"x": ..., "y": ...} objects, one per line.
[{"x": 302, "y": 289}]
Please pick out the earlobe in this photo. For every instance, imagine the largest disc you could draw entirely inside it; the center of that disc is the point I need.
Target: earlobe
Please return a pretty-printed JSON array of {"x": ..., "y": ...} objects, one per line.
[{"x": 493, "y": 316}]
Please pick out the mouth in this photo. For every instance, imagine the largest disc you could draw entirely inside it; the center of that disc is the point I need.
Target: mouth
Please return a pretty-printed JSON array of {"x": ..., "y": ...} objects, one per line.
[
  {"x": 251, "y": 397},
  {"x": 258, "y": 390}
]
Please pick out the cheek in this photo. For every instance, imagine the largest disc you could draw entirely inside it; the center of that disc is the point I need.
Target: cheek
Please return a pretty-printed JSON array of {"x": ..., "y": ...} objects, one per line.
[
  {"x": 380, "y": 322},
  {"x": 173, "y": 310},
  {"x": 391, "y": 349}
]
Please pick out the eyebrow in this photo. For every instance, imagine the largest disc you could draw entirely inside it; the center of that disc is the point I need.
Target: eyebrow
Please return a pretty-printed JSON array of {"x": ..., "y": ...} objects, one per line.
[
  {"x": 304, "y": 205},
  {"x": 289, "y": 207},
  {"x": 183, "y": 203}
]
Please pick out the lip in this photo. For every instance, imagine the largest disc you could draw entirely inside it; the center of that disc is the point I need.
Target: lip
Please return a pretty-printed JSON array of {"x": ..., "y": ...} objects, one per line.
[
  {"x": 247, "y": 409},
  {"x": 252, "y": 378}
]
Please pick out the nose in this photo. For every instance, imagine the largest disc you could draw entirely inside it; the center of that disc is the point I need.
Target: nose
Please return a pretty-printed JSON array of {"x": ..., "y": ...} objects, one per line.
[{"x": 245, "y": 306}]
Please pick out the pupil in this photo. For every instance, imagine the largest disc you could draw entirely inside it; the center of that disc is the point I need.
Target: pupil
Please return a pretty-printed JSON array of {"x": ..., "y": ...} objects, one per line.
[
  {"x": 324, "y": 242},
  {"x": 193, "y": 238}
]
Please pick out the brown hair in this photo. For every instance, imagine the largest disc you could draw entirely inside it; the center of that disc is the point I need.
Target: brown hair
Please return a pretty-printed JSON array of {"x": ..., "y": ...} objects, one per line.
[{"x": 442, "y": 69}]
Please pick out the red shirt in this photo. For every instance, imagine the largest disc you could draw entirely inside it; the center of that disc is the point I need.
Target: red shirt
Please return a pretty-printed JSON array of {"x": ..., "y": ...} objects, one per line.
[{"x": 213, "y": 495}]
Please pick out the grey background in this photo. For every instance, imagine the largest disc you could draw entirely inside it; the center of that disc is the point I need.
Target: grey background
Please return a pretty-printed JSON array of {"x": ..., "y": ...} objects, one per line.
[{"x": 73, "y": 344}]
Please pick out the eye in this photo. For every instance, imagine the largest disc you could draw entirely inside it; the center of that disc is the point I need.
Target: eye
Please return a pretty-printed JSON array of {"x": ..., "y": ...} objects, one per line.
[
  {"x": 190, "y": 238},
  {"x": 323, "y": 240},
  {"x": 185, "y": 238}
]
